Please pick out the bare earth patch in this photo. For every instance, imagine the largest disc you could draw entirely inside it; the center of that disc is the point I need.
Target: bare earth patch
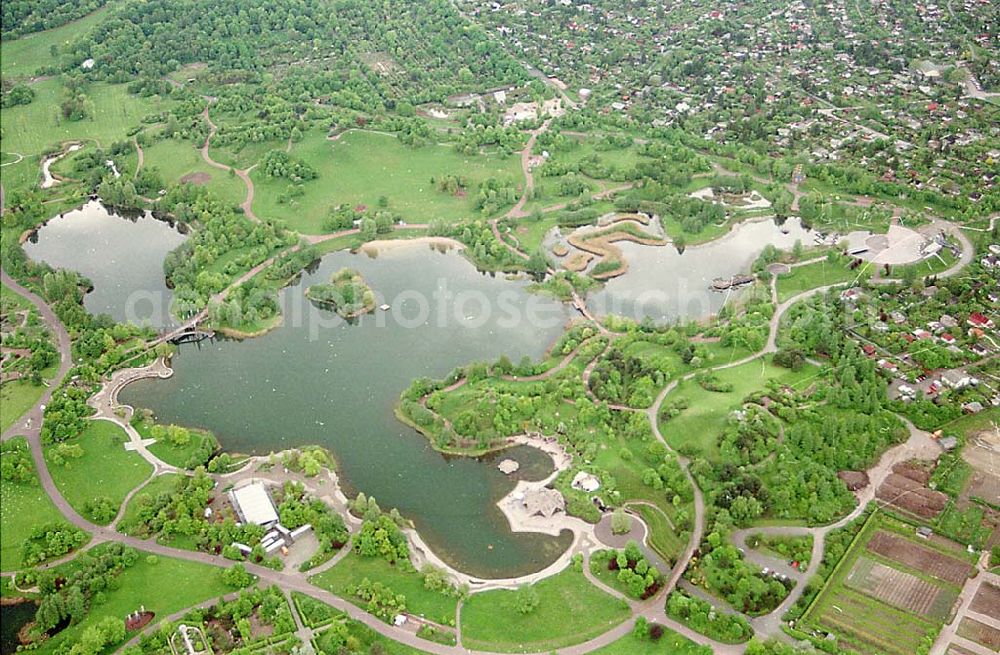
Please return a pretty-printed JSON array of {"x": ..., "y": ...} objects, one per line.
[
  {"x": 197, "y": 179},
  {"x": 980, "y": 633},
  {"x": 919, "y": 558},
  {"x": 987, "y": 601},
  {"x": 911, "y": 496}
]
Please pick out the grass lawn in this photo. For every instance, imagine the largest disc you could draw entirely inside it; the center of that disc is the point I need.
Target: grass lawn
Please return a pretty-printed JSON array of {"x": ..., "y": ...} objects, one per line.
[
  {"x": 530, "y": 234},
  {"x": 106, "y": 468},
  {"x": 662, "y": 537},
  {"x": 570, "y": 611},
  {"x": 16, "y": 398},
  {"x": 25, "y": 505},
  {"x": 160, "y": 484},
  {"x": 360, "y": 167},
  {"x": 246, "y": 156},
  {"x": 366, "y": 638},
  {"x": 176, "y": 159},
  {"x": 23, "y": 56},
  {"x": 353, "y": 569},
  {"x": 810, "y": 276},
  {"x": 670, "y": 643},
  {"x": 673, "y": 229},
  {"x": 165, "y": 587},
  {"x": 177, "y": 456},
  {"x": 703, "y": 420},
  {"x": 113, "y": 111}
]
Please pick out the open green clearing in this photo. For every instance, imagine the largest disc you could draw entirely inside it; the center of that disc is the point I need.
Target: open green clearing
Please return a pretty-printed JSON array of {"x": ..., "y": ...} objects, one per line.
[
  {"x": 698, "y": 426},
  {"x": 246, "y": 156},
  {"x": 24, "y": 56},
  {"x": 354, "y": 568},
  {"x": 366, "y": 640},
  {"x": 810, "y": 276},
  {"x": 360, "y": 167},
  {"x": 179, "y": 456},
  {"x": 106, "y": 469},
  {"x": 163, "y": 585},
  {"x": 177, "y": 159},
  {"x": 25, "y": 506},
  {"x": 670, "y": 643},
  {"x": 570, "y": 610},
  {"x": 16, "y": 398},
  {"x": 112, "y": 113}
]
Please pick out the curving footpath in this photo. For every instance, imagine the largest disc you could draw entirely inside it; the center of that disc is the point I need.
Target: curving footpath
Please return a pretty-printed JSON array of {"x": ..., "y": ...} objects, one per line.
[
  {"x": 769, "y": 625},
  {"x": 30, "y": 424},
  {"x": 243, "y": 174}
]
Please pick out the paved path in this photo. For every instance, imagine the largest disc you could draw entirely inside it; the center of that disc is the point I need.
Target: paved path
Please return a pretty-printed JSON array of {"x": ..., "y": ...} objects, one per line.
[
  {"x": 30, "y": 424},
  {"x": 517, "y": 211},
  {"x": 107, "y": 408},
  {"x": 949, "y": 634}
]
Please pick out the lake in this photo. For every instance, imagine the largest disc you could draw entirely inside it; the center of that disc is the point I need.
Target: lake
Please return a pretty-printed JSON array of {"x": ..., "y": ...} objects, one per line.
[
  {"x": 668, "y": 286},
  {"x": 320, "y": 380},
  {"x": 122, "y": 255}
]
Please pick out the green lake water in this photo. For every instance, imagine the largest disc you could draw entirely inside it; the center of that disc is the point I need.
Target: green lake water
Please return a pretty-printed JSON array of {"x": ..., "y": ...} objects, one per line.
[{"x": 320, "y": 380}]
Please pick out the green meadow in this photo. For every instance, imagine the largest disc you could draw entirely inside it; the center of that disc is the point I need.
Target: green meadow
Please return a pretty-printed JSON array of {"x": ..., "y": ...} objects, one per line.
[
  {"x": 570, "y": 610},
  {"x": 22, "y": 57},
  {"x": 25, "y": 506},
  {"x": 361, "y": 167},
  {"x": 106, "y": 469},
  {"x": 701, "y": 423},
  {"x": 112, "y": 114},
  {"x": 176, "y": 160}
]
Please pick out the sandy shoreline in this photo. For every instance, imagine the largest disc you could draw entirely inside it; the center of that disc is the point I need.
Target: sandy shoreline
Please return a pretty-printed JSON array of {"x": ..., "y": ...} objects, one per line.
[{"x": 385, "y": 245}]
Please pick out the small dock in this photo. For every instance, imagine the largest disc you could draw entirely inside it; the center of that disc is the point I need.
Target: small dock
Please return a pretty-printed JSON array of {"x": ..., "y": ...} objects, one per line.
[{"x": 726, "y": 283}]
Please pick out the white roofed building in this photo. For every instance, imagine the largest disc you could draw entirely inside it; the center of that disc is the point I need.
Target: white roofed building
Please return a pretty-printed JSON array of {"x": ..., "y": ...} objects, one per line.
[{"x": 253, "y": 504}]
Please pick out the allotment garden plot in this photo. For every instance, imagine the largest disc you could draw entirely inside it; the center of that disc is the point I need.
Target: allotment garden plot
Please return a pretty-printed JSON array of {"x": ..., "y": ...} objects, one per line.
[{"x": 890, "y": 593}]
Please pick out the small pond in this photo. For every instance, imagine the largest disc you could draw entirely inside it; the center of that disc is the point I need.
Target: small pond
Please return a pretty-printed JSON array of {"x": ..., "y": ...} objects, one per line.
[{"x": 122, "y": 255}]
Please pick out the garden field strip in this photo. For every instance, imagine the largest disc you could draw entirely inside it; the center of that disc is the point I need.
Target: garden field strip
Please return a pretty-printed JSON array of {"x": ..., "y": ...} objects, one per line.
[
  {"x": 935, "y": 564},
  {"x": 862, "y": 618},
  {"x": 864, "y": 622},
  {"x": 987, "y": 601},
  {"x": 980, "y": 633},
  {"x": 897, "y": 588}
]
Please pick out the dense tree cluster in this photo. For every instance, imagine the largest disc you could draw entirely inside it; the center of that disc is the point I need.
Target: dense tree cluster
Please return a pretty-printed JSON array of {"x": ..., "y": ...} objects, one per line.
[
  {"x": 369, "y": 53},
  {"x": 51, "y": 541},
  {"x": 12, "y": 95},
  {"x": 701, "y": 616},
  {"x": 278, "y": 163},
  {"x": 627, "y": 379},
  {"x": 66, "y": 593},
  {"x": 21, "y": 17},
  {"x": 632, "y": 570}
]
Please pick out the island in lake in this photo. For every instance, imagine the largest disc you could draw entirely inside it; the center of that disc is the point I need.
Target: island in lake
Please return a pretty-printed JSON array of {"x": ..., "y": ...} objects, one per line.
[{"x": 347, "y": 294}]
